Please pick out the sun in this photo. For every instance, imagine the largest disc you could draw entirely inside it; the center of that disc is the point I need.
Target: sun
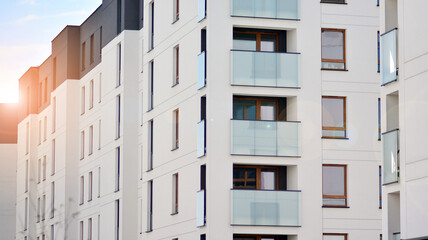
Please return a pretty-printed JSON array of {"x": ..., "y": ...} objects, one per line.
[{"x": 8, "y": 94}]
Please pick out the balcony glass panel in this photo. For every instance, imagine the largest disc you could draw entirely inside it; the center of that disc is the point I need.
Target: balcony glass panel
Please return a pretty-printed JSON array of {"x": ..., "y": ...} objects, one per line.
[
  {"x": 388, "y": 62},
  {"x": 265, "y": 208},
  {"x": 265, "y": 69},
  {"x": 201, "y": 70},
  {"x": 396, "y": 236},
  {"x": 265, "y": 138},
  {"x": 201, "y": 139},
  {"x": 281, "y": 9},
  {"x": 390, "y": 157},
  {"x": 200, "y": 208},
  {"x": 201, "y": 10}
]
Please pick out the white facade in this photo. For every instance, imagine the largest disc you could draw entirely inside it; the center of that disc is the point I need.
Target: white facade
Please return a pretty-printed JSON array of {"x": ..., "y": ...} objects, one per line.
[{"x": 8, "y": 189}]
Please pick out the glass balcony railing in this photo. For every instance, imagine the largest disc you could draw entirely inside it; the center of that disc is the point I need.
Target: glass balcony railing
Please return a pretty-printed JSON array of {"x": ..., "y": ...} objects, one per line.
[
  {"x": 396, "y": 236},
  {"x": 280, "y": 9},
  {"x": 201, "y": 70},
  {"x": 265, "y": 208},
  {"x": 388, "y": 63},
  {"x": 202, "y": 10},
  {"x": 265, "y": 69},
  {"x": 200, "y": 208},
  {"x": 201, "y": 139},
  {"x": 265, "y": 138},
  {"x": 390, "y": 157}
]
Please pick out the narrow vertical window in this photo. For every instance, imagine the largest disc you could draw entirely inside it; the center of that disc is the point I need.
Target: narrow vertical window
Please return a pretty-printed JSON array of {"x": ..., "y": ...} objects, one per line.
[
  {"x": 90, "y": 229},
  {"x": 99, "y": 227},
  {"x": 203, "y": 237},
  {"x": 82, "y": 189},
  {"x": 119, "y": 64},
  {"x": 82, "y": 101},
  {"x": 90, "y": 179},
  {"x": 53, "y": 157},
  {"x": 53, "y": 114},
  {"x": 44, "y": 208},
  {"x": 176, "y": 10},
  {"x": 45, "y": 96},
  {"x": 82, "y": 145},
  {"x": 52, "y": 199},
  {"x": 26, "y": 175},
  {"x": 176, "y": 70},
  {"x": 334, "y": 185},
  {"x": 54, "y": 73},
  {"x": 28, "y": 100},
  {"x": 150, "y": 206},
  {"x": 40, "y": 131},
  {"x": 119, "y": 16},
  {"x": 38, "y": 209},
  {"x": 39, "y": 170},
  {"x": 44, "y": 168},
  {"x": 45, "y": 126},
  {"x": 117, "y": 169},
  {"x": 81, "y": 230},
  {"x": 175, "y": 193},
  {"x": 99, "y": 134},
  {"x": 91, "y": 94},
  {"x": 379, "y": 111},
  {"x": 333, "y": 49},
  {"x": 27, "y": 138},
  {"x": 83, "y": 56},
  {"x": 40, "y": 93},
  {"x": 52, "y": 231},
  {"x": 378, "y": 49},
  {"x": 26, "y": 214},
  {"x": 99, "y": 182},
  {"x": 380, "y": 187},
  {"x": 101, "y": 41},
  {"x": 91, "y": 139},
  {"x": 92, "y": 53},
  {"x": 150, "y": 146},
  {"x": 150, "y": 87},
  {"x": 117, "y": 219},
  {"x": 100, "y": 87},
  {"x": 151, "y": 25},
  {"x": 333, "y": 117},
  {"x": 175, "y": 130},
  {"x": 118, "y": 116}
]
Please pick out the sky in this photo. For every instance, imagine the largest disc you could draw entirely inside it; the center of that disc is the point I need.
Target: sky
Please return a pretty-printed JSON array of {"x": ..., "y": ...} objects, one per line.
[{"x": 27, "y": 28}]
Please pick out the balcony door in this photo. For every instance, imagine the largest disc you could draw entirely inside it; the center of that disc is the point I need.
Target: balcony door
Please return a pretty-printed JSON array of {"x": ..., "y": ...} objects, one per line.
[
  {"x": 255, "y": 41},
  {"x": 260, "y": 178},
  {"x": 255, "y": 109}
]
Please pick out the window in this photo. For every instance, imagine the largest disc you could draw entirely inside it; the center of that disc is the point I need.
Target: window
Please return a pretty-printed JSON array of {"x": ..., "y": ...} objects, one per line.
[
  {"x": 99, "y": 182},
  {"x": 335, "y": 236},
  {"x": 90, "y": 179},
  {"x": 38, "y": 209},
  {"x": 378, "y": 49},
  {"x": 380, "y": 187},
  {"x": 45, "y": 126},
  {"x": 119, "y": 64},
  {"x": 253, "y": 108},
  {"x": 175, "y": 193},
  {"x": 54, "y": 73},
  {"x": 150, "y": 206},
  {"x": 46, "y": 90},
  {"x": 176, "y": 10},
  {"x": 90, "y": 229},
  {"x": 53, "y": 114},
  {"x": 26, "y": 214},
  {"x": 83, "y": 56},
  {"x": 40, "y": 131},
  {"x": 52, "y": 231},
  {"x": 151, "y": 25},
  {"x": 118, "y": 112},
  {"x": 101, "y": 41},
  {"x": 175, "y": 130},
  {"x": 119, "y": 17},
  {"x": 39, "y": 170},
  {"x": 117, "y": 219},
  {"x": 81, "y": 230},
  {"x": 333, "y": 49},
  {"x": 333, "y": 117},
  {"x": 52, "y": 199},
  {"x": 100, "y": 88},
  {"x": 43, "y": 207},
  {"x": 99, "y": 227},
  {"x": 91, "y": 139},
  {"x": 259, "y": 177},
  {"x": 203, "y": 237},
  {"x": 82, "y": 190},
  {"x": 176, "y": 65},
  {"x": 150, "y": 87},
  {"x": 117, "y": 169},
  {"x": 99, "y": 134},
  {"x": 333, "y": 1},
  {"x": 27, "y": 138},
  {"x": 44, "y": 168},
  {"x": 150, "y": 145},
  {"x": 258, "y": 40},
  {"x": 91, "y": 94},
  {"x": 379, "y": 109},
  {"x": 259, "y": 237},
  {"x": 92, "y": 53},
  {"x": 40, "y": 93},
  {"x": 334, "y": 185},
  {"x": 82, "y": 145},
  {"x": 26, "y": 175},
  {"x": 82, "y": 101},
  {"x": 53, "y": 158}
]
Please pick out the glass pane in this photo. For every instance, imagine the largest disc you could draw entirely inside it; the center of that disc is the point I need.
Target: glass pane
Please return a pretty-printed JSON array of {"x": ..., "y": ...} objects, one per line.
[
  {"x": 244, "y": 238},
  {"x": 244, "y": 41},
  {"x": 244, "y": 178},
  {"x": 288, "y": 139},
  {"x": 265, "y": 8},
  {"x": 243, "y": 8},
  {"x": 333, "y": 180},
  {"x": 243, "y": 68},
  {"x": 201, "y": 70},
  {"x": 200, "y": 208},
  {"x": 332, "y": 65},
  {"x": 268, "y": 110},
  {"x": 244, "y": 109},
  {"x": 390, "y": 157},
  {"x": 389, "y": 57},
  {"x": 333, "y": 201},
  {"x": 268, "y": 42},
  {"x": 201, "y": 10},
  {"x": 265, "y": 68},
  {"x": 332, "y": 45},
  {"x": 201, "y": 139},
  {"x": 268, "y": 179},
  {"x": 243, "y": 135},
  {"x": 265, "y": 138},
  {"x": 288, "y": 9},
  {"x": 332, "y": 112},
  {"x": 288, "y": 70},
  {"x": 334, "y": 133},
  {"x": 333, "y": 237}
]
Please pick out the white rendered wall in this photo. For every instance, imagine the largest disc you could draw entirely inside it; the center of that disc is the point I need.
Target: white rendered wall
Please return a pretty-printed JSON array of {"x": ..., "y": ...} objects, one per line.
[{"x": 8, "y": 153}]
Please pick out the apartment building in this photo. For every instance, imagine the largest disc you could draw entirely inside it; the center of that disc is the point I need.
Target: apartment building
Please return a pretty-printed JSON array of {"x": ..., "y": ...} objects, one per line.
[
  {"x": 226, "y": 119},
  {"x": 403, "y": 69}
]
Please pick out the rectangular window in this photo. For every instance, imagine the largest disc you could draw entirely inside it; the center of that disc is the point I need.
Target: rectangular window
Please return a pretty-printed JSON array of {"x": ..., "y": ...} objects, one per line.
[
  {"x": 203, "y": 237},
  {"x": 335, "y": 236},
  {"x": 176, "y": 69},
  {"x": 44, "y": 168},
  {"x": 52, "y": 231},
  {"x": 82, "y": 190},
  {"x": 53, "y": 157},
  {"x": 175, "y": 193},
  {"x": 175, "y": 130},
  {"x": 40, "y": 93},
  {"x": 43, "y": 207},
  {"x": 91, "y": 139},
  {"x": 26, "y": 214},
  {"x": 333, "y": 117},
  {"x": 99, "y": 134},
  {"x": 26, "y": 175},
  {"x": 379, "y": 111},
  {"x": 334, "y": 185},
  {"x": 52, "y": 199},
  {"x": 150, "y": 146},
  {"x": 333, "y": 1},
  {"x": 378, "y": 49},
  {"x": 333, "y": 49},
  {"x": 40, "y": 131},
  {"x": 99, "y": 182},
  {"x": 53, "y": 114},
  {"x": 117, "y": 169},
  {"x": 38, "y": 209},
  {"x": 92, "y": 53},
  {"x": 150, "y": 87},
  {"x": 259, "y": 40},
  {"x": 119, "y": 16},
  {"x": 82, "y": 145},
  {"x": 54, "y": 73},
  {"x": 118, "y": 112},
  {"x": 81, "y": 230},
  {"x": 259, "y": 177},
  {"x": 45, "y": 126},
  {"x": 101, "y": 41},
  {"x": 83, "y": 56},
  {"x": 119, "y": 64},
  {"x": 39, "y": 170},
  {"x": 90, "y": 179},
  {"x": 150, "y": 206},
  {"x": 99, "y": 227},
  {"x": 90, "y": 229},
  {"x": 151, "y": 24},
  {"x": 91, "y": 94},
  {"x": 46, "y": 90},
  {"x": 117, "y": 229},
  {"x": 380, "y": 187},
  {"x": 27, "y": 138},
  {"x": 254, "y": 108},
  {"x": 82, "y": 101},
  {"x": 100, "y": 88},
  {"x": 176, "y": 10}
]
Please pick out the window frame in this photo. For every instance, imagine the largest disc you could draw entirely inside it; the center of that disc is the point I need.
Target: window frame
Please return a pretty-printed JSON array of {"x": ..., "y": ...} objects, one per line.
[
  {"x": 327, "y": 1},
  {"x": 336, "y": 234},
  {"x": 259, "y": 37},
  {"x": 174, "y": 193},
  {"x": 345, "y": 196},
  {"x": 176, "y": 11},
  {"x": 344, "y": 48},
  {"x": 257, "y": 237},
  {"x": 344, "y": 119},
  {"x": 258, "y": 105},
  {"x": 176, "y": 66},
  {"x": 175, "y": 129},
  {"x": 258, "y": 176}
]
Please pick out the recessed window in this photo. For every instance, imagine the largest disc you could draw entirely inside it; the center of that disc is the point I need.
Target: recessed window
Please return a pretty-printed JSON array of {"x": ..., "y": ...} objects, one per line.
[
  {"x": 83, "y": 56},
  {"x": 82, "y": 189},
  {"x": 175, "y": 193},
  {"x": 334, "y": 185},
  {"x": 150, "y": 87},
  {"x": 82, "y": 101},
  {"x": 118, "y": 112},
  {"x": 26, "y": 214},
  {"x": 117, "y": 220},
  {"x": 333, "y": 1},
  {"x": 44, "y": 208},
  {"x": 333, "y": 49},
  {"x": 39, "y": 170},
  {"x": 151, "y": 25},
  {"x": 333, "y": 117},
  {"x": 53, "y": 114},
  {"x": 259, "y": 177},
  {"x": 38, "y": 209},
  {"x": 91, "y": 139},
  {"x": 119, "y": 64},
  {"x": 150, "y": 145},
  {"x": 45, "y": 126},
  {"x": 90, "y": 229},
  {"x": 335, "y": 236},
  {"x": 91, "y": 94},
  {"x": 26, "y": 175},
  {"x": 253, "y": 108},
  {"x": 52, "y": 199},
  {"x": 259, "y": 40},
  {"x": 90, "y": 179},
  {"x": 117, "y": 182},
  {"x": 150, "y": 206},
  {"x": 53, "y": 157},
  {"x": 81, "y": 230},
  {"x": 176, "y": 69},
  {"x": 92, "y": 53},
  {"x": 176, "y": 10},
  {"x": 175, "y": 130},
  {"x": 82, "y": 145},
  {"x": 40, "y": 131},
  {"x": 44, "y": 168}
]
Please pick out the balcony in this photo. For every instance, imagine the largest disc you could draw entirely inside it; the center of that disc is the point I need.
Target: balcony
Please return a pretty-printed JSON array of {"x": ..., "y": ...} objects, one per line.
[
  {"x": 265, "y": 138},
  {"x": 278, "y": 9},
  {"x": 390, "y": 157},
  {"x": 265, "y": 208},
  {"x": 388, "y": 64},
  {"x": 200, "y": 208},
  {"x": 265, "y": 69},
  {"x": 201, "y": 139},
  {"x": 201, "y": 70}
]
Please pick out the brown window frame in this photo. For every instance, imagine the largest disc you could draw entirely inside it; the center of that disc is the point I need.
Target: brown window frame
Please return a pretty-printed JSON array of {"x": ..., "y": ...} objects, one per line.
[
  {"x": 257, "y": 237},
  {"x": 83, "y": 56},
  {"x": 92, "y": 49},
  {"x": 345, "y": 184},
  {"x": 344, "y": 49},
  {"x": 177, "y": 10},
  {"x": 176, "y": 65},
  {"x": 327, "y": 1},
  {"x": 344, "y": 119},
  {"x": 176, "y": 122},
  {"x": 175, "y": 193},
  {"x": 258, "y": 176},
  {"x": 259, "y": 38},
  {"x": 336, "y": 234},
  {"x": 258, "y": 105}
]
